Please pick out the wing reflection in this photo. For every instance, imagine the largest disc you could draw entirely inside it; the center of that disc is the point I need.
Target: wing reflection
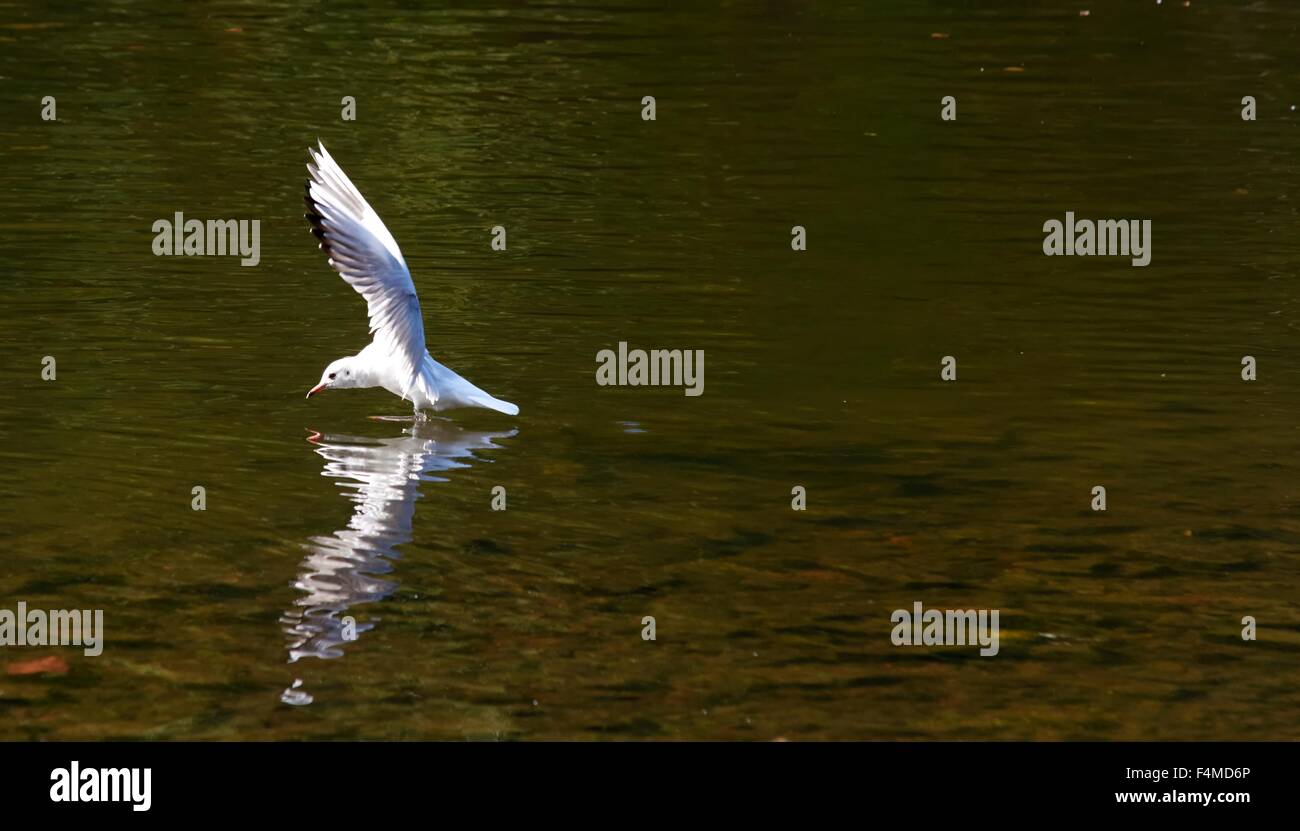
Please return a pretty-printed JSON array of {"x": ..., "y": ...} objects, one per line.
[{"x": 348, "y": 568}]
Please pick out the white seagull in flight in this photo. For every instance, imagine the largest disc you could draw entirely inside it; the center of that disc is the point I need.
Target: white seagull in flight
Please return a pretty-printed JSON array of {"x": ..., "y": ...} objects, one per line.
[{"x": 366, "y": 255}]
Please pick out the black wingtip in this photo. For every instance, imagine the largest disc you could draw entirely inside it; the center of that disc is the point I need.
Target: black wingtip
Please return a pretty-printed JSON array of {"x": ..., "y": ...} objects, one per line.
[{"x": 315, "y": 220}]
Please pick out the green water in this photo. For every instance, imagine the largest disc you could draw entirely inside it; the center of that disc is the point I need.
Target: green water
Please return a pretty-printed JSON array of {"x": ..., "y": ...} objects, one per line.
[{"x": 822, "y": 370}]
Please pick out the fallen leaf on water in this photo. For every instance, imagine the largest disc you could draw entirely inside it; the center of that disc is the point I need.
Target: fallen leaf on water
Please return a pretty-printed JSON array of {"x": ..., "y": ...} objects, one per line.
[
  {"x": 938, "y": 35},
  {"x": 50, "y": 663},
  {"x": 1013, "y": 69}
]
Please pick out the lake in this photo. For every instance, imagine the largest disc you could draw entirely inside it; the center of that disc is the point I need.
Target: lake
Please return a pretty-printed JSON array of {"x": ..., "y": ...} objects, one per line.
[{"x": 351, "y": 577}]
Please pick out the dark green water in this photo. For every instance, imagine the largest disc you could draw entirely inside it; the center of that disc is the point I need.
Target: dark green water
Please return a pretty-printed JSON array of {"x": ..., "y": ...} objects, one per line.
[{"x": 822, "y": 370}]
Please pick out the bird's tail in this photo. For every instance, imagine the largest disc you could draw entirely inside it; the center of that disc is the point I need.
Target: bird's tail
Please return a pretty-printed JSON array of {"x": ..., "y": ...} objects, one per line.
[
  {"x": 497, "y": 404},
  {"x": 456, "y": 391}
]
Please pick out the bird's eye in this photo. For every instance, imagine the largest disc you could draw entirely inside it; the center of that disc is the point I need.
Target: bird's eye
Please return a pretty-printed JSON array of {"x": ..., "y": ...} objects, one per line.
[{"x": 332, "y": 374}]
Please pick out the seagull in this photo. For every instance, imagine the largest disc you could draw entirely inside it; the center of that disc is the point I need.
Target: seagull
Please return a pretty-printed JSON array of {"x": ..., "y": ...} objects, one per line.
[{"x": 365, "y": 254}]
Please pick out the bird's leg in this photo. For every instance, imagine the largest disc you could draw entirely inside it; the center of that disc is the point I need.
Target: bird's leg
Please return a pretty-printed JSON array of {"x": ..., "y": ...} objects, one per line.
[{"x": 420, "y": 417}]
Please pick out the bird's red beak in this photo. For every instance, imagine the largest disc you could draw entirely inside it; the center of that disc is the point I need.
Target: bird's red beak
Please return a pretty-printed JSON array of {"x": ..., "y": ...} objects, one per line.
[{"x": 316, "y": 389}]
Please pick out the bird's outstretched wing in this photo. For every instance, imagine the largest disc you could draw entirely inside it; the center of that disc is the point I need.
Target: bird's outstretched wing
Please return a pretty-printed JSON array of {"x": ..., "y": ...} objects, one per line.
[{"x": 362, "y": 250}]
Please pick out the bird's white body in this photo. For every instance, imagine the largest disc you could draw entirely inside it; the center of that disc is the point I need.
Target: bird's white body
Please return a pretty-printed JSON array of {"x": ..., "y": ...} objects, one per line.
[
  {"x": 435, "y": 388},
  {"x": 365, "y": 254}
]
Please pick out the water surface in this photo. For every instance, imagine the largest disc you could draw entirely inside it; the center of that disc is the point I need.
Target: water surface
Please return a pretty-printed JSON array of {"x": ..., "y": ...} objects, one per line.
[{"x": 822, "y": 370}]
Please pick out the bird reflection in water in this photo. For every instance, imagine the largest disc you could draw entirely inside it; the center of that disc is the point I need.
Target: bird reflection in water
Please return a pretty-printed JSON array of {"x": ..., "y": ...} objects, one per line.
[{"x": 348, "y": 568}]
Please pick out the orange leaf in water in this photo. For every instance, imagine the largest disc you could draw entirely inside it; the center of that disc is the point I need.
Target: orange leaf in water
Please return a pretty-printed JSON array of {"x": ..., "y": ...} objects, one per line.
[{"x": 50, "y": 663}]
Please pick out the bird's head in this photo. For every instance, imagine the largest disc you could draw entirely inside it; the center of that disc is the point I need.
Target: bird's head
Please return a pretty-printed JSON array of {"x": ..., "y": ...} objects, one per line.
[{"x": 340, "y": 375}]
